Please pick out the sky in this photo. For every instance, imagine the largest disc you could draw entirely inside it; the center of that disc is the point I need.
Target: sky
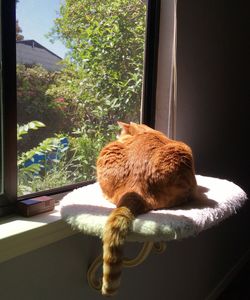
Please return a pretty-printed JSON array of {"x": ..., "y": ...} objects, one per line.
[{"x": 35, "y": 18}]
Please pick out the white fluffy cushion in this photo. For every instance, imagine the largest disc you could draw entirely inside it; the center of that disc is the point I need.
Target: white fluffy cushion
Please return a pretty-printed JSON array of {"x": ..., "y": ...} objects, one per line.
[{"x": 86, "y": 210}]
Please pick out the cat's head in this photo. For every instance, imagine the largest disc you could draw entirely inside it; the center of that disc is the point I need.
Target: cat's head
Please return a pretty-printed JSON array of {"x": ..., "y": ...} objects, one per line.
[{"x": 132, "y": 129}]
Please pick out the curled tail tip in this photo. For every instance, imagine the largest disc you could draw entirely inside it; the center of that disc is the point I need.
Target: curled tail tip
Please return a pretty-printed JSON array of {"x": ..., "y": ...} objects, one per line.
[
  {"x": 111, "y": 278},
  {"x": 108, "y": 292}
]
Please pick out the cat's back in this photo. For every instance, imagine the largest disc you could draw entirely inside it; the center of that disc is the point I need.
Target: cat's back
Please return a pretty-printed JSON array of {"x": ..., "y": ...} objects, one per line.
[
  {"x": 147, "y": 142},
  {"x": 142, "y": 147},
  {"x": 151, "y": 154}
]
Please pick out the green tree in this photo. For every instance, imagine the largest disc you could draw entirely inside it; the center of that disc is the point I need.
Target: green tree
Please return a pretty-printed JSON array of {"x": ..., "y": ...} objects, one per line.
[{"x": 102, "y": 78}]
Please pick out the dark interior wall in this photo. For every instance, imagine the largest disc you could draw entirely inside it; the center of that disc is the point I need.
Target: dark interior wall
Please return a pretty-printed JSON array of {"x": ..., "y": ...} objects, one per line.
[
  {"x": 213, "y": 86},
  {"x": 214, "y": 105}
]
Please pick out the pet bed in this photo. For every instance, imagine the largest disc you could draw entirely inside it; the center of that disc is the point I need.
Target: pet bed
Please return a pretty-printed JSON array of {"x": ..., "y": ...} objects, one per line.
[{"x": 86, "y": 210}]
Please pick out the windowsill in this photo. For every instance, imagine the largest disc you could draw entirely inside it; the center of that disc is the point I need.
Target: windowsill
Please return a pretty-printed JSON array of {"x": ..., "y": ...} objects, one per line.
[{"x": 19, "y": 235}]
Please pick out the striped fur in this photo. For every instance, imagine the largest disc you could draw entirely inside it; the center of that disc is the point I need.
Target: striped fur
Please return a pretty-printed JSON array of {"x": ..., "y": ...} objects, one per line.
[{"x": 114, "y": 235}]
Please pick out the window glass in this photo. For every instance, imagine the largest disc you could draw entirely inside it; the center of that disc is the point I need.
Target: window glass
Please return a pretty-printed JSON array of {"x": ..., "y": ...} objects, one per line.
[{"x": 79, "y": 70}]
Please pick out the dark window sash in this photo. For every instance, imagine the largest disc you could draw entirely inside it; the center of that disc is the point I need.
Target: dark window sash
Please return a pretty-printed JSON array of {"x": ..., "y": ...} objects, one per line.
[
  {"x": 8, "y": 94},
  {"x": 150, "y": 63}
]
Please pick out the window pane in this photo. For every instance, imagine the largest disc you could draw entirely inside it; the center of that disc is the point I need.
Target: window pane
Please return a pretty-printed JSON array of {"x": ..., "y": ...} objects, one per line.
[{"x": 71, "y": 92}]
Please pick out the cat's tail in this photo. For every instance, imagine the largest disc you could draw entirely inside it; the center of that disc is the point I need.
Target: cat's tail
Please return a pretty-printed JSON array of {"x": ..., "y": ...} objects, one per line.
[{"x": 115, "y": 232}]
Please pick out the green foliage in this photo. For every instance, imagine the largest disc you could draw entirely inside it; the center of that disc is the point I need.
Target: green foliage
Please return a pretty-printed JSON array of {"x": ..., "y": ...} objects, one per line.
[
  {"x": 34, "y": 104},
  {"x": 32, "y": 84},
  {"x": 86, "y": 148},
  {"x": 28, "y": 174},
  {"x": 24, "y": 129},
  {"x": 102, "y": 79},
  {"x": 74, "y": 163}
]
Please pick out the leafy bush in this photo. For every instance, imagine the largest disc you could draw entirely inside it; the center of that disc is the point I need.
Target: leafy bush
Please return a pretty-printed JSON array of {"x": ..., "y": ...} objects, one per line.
[
  {"x": 85, "y": 149},
  {"x": 54, "y": 163},
  {"x": 34, "y": 104},
  {"x": 102, "y": 78},
  {"x": 24, "y": 129},
  {"x": 41, "y": 162}
]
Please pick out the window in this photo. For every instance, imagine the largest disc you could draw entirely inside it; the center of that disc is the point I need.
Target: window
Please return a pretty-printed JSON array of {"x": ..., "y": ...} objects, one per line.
[{"x": 66, "y": 109}]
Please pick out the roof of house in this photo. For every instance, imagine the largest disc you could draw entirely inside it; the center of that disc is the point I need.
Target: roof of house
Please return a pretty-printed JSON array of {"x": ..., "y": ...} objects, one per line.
[{"x": 31, "y": 52}]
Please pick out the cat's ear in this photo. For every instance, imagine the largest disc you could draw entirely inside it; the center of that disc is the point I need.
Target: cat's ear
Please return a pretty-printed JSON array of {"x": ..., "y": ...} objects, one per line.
[{"x": 123, "y": 126}]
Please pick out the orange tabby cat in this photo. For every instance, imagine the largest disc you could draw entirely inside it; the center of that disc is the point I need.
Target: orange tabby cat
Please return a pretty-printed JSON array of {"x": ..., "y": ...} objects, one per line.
[{"x": 141, "y": 171}]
